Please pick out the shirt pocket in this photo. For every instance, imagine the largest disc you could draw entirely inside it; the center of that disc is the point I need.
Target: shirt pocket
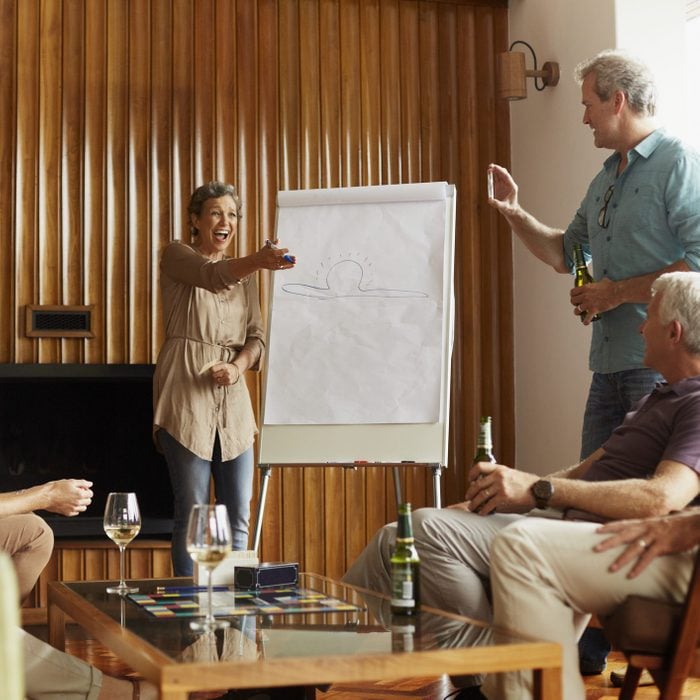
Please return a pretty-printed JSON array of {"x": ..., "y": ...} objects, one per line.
[{"x": 641, "y": 211}]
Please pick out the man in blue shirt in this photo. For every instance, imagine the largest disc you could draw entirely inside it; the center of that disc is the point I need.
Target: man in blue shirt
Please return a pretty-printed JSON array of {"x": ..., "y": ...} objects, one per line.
[{"x": 639, "y": 218}]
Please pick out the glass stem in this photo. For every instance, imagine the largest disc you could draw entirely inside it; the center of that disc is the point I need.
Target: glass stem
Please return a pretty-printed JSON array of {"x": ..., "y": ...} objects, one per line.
[
  {"x": 122, "y": 582},
  {"x": 210, "y": 612}
]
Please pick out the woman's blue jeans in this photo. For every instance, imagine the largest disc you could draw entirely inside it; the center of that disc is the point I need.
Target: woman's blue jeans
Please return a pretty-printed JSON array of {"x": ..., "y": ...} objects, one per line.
[{"x": 190, "y": 477}]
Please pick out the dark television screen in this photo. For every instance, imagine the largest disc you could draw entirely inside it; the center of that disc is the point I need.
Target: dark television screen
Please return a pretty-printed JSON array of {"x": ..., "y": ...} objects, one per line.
[{"x": 65, "y": 424}]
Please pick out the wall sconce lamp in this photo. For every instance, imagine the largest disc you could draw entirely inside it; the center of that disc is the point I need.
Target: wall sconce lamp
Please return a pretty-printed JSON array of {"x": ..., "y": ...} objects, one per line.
[{"x": 511, "y": 73}]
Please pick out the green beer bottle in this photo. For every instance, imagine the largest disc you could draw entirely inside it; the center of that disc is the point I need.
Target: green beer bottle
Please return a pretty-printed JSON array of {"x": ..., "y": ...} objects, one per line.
[
  {"x": 484, "y": 445},
  {"x": 405, "y": 567},
  {"x": 582, "y": 275}
]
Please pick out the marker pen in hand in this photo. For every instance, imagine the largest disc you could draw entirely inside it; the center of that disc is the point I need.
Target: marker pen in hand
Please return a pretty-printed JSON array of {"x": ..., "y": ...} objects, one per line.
[{"x": 287, "y": 257}]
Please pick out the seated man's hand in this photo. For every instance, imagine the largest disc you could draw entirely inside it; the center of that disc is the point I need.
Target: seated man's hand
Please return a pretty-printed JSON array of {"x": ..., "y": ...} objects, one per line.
[
  {"x": 498, "y": 488},
  {"x": 68, "y": 496},
  {"x": 648, "y": 538}
]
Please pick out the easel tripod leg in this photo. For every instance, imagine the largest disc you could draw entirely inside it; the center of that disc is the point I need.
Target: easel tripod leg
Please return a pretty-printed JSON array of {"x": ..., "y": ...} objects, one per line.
[
  {"x": 437, "y": 495},
  {"x": 266, "y": 470},
  {"x": 397, "y": 486}
]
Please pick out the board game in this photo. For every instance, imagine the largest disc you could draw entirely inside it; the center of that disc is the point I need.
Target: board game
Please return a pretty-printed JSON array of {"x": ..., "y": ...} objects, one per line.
[{"x": 227, "y": 602}]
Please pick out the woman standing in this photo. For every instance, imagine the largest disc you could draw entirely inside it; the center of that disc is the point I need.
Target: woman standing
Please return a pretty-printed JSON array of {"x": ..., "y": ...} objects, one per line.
[{"x": 203, "y": 417}]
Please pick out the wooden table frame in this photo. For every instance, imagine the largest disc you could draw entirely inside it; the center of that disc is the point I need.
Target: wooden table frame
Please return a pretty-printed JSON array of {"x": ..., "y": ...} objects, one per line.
[{"x": 176, "y": 680}]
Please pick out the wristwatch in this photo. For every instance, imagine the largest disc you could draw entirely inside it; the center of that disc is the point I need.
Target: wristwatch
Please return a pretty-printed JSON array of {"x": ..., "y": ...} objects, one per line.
[{"x": 542, "y": 490}]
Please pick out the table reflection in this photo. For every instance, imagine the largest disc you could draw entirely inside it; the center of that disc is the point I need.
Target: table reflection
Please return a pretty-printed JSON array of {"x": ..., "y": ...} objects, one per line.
[{"x": 239, "y": 641}]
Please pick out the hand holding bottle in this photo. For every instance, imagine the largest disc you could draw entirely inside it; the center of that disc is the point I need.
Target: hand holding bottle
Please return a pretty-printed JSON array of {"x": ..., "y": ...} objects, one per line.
[
  {"x": 498, "y": 488},
  {"x": 484, "y": 445},
  {"x": 595, "y": 298},
  {"x": 582, "y": 277}
]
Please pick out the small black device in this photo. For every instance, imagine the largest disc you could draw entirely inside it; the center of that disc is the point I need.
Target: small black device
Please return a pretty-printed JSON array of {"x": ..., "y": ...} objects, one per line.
[{"x": 266, "y": 575}]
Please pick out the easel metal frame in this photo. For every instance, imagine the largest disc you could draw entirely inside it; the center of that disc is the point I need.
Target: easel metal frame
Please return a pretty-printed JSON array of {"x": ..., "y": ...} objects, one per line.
[{"x": 267, "y": 472}]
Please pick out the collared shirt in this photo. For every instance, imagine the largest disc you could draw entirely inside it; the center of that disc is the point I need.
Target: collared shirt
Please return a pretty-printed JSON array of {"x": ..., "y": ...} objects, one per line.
[
  {"x": 661, "y": 426},
  {"x": 653, "y": 220},
  {"x": 209, "y": 315}
]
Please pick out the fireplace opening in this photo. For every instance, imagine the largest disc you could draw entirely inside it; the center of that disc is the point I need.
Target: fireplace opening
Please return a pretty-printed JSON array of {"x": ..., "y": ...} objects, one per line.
[{"x": 88, "y": 422}]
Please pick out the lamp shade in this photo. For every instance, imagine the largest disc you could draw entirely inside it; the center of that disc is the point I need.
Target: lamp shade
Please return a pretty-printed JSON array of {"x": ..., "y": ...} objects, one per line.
[{"x": 510, "y": 76}]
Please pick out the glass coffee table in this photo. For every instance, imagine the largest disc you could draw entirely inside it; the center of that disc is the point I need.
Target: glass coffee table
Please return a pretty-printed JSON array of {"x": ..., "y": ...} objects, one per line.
[{"x": 337, "y": 634}]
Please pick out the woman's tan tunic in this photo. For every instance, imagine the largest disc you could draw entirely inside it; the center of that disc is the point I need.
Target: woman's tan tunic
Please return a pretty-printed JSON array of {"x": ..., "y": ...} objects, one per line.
[{"x": 208, "y": 315}]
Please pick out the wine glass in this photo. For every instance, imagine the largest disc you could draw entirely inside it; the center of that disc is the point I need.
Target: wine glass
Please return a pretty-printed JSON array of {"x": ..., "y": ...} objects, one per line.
[
  {"x": 122, "y": 523},
  {"x": 208, "y": 543}
]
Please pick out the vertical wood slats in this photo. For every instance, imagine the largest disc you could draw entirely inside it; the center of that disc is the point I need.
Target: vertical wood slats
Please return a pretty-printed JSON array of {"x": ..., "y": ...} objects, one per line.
[
  {"x": 71, "y": 143},
  {"x": 8, "y": 151},
  {"x": 113, "y": 111},
  {"x": 25, "y": 174}
]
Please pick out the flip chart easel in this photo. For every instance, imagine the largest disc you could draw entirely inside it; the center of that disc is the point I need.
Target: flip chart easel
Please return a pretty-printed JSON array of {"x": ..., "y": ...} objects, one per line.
[{"x": 360, "y": 331}]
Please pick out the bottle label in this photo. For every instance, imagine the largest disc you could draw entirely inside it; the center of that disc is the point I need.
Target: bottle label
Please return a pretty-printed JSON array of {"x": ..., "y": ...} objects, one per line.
[
  {"x": 402, "y": 586},
  {"x": 484, "y": 441}
]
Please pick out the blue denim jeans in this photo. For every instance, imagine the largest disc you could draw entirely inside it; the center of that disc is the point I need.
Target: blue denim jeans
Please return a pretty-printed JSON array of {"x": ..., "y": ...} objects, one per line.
[
  {"x": 610, "y": 398},
  {"x": 191, "y": 476}
]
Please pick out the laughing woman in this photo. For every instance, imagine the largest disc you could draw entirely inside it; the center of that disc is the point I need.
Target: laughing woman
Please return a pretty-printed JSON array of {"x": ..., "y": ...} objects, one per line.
[{"x": 203, "y": 418}]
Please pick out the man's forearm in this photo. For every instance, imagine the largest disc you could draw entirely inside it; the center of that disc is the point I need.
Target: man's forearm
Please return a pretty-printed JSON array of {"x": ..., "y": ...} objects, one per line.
[
  {"x": 23, "y": 501},
  {"x": 544, "y": 242},
  {"x": 637, "y": 290},
  {"x": 637, "y": 498}
]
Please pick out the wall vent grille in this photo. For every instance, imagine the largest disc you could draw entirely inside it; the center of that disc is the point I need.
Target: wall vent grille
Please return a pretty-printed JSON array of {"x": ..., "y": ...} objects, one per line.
[{"x": 59, "y": 322}]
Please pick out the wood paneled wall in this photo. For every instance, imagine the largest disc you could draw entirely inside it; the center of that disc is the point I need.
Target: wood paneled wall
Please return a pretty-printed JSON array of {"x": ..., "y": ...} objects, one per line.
[
  {"x": 112, "y": 111},
  {"x": 95, "y": 560}
]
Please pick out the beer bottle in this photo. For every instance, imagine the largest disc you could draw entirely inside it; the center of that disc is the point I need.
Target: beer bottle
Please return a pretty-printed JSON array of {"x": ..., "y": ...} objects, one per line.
[
  {"x": 582, "y": 276},
  {"x": 484, "y": 446},
  {"x": 405, "y": 567}
]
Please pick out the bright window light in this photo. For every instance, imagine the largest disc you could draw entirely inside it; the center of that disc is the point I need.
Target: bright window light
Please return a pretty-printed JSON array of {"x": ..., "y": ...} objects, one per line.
[{"x": 692, "y": 48}]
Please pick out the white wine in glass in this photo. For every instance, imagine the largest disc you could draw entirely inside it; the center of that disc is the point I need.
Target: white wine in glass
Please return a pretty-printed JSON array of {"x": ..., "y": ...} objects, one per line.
[
  {"x": 209, "y": 543},
  {"x": 122, "y": 522}
]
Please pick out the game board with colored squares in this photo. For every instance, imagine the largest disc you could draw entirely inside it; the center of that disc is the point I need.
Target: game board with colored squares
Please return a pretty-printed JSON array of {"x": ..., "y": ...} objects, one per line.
[{"x": 169, "y": 604}]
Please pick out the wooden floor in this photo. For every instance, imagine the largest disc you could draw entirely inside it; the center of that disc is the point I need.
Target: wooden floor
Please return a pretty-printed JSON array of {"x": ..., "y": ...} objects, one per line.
[{"x": 597, "y": 687}]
